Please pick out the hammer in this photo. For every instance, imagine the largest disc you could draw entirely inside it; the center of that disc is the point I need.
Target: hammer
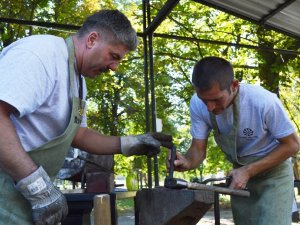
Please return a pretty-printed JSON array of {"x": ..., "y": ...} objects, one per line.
[
  {"x": 173, "y": 157},
  {"x": 176, "y": 183}
]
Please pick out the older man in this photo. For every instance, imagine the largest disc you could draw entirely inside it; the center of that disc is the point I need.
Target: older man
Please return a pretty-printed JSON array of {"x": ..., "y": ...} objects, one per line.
[{"x": 42, "y": 113}]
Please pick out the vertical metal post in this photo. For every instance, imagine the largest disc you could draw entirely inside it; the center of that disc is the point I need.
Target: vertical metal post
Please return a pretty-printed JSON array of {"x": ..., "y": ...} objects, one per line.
[
  {"x": 217, "y": 208},
  {"x": 146, "y": 80},
  {"x": 153, "y": 103},
  {"x": 152, "y": 89}
]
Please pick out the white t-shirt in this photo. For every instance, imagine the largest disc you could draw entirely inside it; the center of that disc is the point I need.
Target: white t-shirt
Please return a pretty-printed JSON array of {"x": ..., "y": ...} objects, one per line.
[
  {"x": 34, "y": 78},
  {"x": 262, "y": 121}
]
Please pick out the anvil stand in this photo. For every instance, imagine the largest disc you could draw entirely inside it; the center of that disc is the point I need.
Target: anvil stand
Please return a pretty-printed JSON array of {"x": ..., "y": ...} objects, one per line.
[{"x": 216, "y": 194}]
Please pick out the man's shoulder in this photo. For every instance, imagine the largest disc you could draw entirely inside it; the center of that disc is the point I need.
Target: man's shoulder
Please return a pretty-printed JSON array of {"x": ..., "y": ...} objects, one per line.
[
  {"x": 253, "y": 88},
  {"x": 195, "y": 100},
  {"x": 197, "y": 107},
  {"x": 46, "y": 42},
  {"x": 255, "y": 93},
  {"x": 39, "y": 44},
  {"x": 47, "y": 38}
]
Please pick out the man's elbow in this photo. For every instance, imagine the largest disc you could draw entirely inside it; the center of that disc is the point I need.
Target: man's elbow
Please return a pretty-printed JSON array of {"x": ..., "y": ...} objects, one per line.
[
  {"x": 295, "y": 144},
  {"x": 79, "y": 138}
]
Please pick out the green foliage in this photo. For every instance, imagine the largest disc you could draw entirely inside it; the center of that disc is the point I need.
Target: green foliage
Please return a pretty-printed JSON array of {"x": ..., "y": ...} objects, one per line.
[{"x": 215, "y": 160}]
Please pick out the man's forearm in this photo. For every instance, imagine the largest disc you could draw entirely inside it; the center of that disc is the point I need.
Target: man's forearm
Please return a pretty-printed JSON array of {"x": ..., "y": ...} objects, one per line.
[
  {"x": 195, "y": 158},
  {"x": 13, "y": 158},
  {"x": 288, "y": 147},
  {"x": 196, "y": 153},
  {"x": 93, "y": 142}
]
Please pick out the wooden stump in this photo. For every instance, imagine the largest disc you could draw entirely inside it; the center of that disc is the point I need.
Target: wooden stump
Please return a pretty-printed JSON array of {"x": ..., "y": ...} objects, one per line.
[{"x": 162, "y": 206}]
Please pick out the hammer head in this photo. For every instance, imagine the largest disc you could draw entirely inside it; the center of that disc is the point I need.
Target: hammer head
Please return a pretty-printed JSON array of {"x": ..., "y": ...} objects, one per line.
[{"x": 175, "y": 183}]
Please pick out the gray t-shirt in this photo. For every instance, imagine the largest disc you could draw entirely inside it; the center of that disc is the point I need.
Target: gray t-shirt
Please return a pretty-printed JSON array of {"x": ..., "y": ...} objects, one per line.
[
  {"x": 262, "y": 121},
  {"x": 34, "y": 79}
]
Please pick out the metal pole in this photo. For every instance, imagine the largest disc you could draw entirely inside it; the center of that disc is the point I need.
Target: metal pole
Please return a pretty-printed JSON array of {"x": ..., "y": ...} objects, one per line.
[
  {"x": 153, "y": 104},
  {"x": 152, "y": 90},
  {"x": 216, "y": 209},
  {"x": 146, "y": 80}
]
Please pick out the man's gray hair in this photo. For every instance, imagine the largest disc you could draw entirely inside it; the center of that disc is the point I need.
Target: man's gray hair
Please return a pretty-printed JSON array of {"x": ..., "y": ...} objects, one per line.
[{"x": 113, "y": 25}]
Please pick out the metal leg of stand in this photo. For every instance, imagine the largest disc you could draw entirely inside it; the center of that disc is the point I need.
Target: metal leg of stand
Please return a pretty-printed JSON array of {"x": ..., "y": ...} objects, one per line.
[{"x": 217, "y": 209}]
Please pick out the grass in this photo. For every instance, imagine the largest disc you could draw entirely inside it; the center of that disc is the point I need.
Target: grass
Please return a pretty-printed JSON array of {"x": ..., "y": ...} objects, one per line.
[
  {"x": 224, "y": 201},
  {"x": 125, "y": 205}
]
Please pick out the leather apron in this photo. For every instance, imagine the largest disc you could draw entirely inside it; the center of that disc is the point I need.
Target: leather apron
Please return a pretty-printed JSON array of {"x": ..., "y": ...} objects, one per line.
[
  {"x": 14, "y": 208},
  {"x": 271, "y": 192}
]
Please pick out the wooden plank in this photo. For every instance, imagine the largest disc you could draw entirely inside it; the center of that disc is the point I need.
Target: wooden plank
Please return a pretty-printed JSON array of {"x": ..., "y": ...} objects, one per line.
[
  {"x": 102, "y": 213},
  {"x": 125, "y": 194}
]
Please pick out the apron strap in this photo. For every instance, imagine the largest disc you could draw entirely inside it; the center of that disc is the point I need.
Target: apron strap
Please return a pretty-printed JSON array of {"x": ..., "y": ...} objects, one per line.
[{"x": 72, "y": 70}]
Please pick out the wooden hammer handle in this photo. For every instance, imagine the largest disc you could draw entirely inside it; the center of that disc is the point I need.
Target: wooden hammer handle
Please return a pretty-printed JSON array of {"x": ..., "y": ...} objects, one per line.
[{"x": 222, "y": 190}]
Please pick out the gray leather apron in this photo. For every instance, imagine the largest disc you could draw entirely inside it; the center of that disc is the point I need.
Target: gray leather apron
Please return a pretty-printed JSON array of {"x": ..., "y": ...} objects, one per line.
[
  {"x": 14, "y": 208},
  {"x": 271, "y": 192}
]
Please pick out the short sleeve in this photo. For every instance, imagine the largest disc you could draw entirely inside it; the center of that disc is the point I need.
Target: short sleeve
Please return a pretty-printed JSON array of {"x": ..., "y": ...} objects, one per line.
[
  {"x": 277, "y": 120},
  {"x": 24, "y": 82},
  {"x": 200, "y": 128}
]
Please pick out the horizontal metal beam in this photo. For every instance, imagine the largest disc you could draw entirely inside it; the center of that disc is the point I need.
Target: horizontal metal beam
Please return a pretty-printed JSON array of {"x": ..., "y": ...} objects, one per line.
[
  {"x": 74, "y": 27},
  {"x": 282, "y": 51},
  {"x": 39, "y": 24},
  {"x": 161, "y": 15}
]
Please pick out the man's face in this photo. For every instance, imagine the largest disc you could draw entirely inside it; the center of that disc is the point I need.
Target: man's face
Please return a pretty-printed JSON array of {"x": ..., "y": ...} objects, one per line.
[
  {"x": 101, "y": 56},
  {"x": 215, "y": 99}
]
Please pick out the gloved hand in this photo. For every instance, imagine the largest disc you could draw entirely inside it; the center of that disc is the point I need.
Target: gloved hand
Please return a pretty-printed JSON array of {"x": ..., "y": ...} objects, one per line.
[
  {"x": 145, "y": 144},
  {"x": 49, "y": 205}
]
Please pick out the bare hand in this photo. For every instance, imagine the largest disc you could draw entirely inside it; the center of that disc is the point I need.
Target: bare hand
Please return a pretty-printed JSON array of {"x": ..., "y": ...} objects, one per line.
[
  {"x": 181, "y": 163},
  {"x": 240, "y": 178}
]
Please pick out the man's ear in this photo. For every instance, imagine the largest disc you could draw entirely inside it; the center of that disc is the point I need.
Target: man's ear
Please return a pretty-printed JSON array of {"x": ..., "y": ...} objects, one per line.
[
  {"x": 93, "y": 37},
  {"x": 234, "y": 85}
]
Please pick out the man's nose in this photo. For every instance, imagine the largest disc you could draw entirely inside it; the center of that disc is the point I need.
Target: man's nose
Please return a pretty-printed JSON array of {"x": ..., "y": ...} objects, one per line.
[
  {"x": 210, "y": 106},
  {"x": 113, "y": 66}
]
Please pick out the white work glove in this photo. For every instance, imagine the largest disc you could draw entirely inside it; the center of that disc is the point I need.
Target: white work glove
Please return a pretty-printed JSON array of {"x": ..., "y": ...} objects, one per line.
[
  {"x": 49, "y": 205},
  {"x": 145, "y": 144}
]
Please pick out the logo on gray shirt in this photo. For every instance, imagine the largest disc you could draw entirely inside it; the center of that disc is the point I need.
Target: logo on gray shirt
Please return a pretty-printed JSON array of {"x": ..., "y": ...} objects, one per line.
[{"x": 248, "y": 132}]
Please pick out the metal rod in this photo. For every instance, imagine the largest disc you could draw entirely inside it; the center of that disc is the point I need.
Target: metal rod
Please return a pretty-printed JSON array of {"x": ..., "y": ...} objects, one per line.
[
  {"x": 39, "y": 23},
  {"x": 152, "y": 91},
  {"x": 217, "y": 209},
  {"x": 175, "y": 37},
  {"x": 146, "y": 80},
  {"x": 153, "y": 104},
  {"x": 161, "y": 15},
  {"x": 223, "y": 190}
]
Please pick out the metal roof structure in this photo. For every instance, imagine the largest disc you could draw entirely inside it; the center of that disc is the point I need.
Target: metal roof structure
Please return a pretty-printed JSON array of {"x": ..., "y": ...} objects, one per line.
[{"x": 280, "y": 15}]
